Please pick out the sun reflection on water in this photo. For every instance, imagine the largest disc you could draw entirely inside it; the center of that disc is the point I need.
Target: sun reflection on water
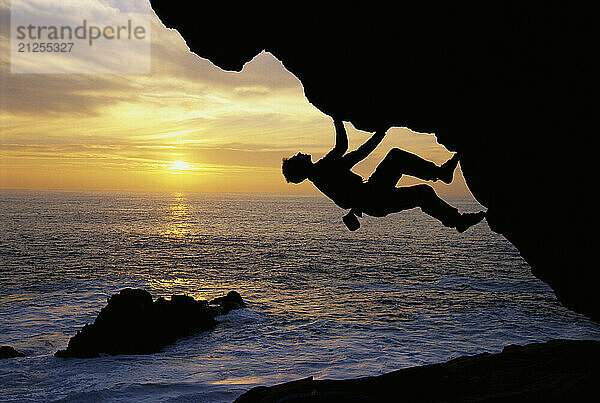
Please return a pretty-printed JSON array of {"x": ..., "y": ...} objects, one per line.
[
  {"x": 178, "y": 220},
  {"x": 166, "y": 287}
]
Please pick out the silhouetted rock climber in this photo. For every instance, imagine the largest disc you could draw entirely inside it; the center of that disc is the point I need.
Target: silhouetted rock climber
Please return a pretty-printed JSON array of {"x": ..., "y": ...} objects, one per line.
[{"x": 378, "y": 196}]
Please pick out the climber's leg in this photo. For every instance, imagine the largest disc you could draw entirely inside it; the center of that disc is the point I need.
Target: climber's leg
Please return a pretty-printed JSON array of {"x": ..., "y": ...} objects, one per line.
[
  {"x": 399, "y": 162},
  {"x": 424, "y": 197}
]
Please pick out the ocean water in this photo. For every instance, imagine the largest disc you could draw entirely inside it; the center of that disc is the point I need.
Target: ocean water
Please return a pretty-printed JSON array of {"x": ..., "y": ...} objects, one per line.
[{"x": 322, "y": 301}]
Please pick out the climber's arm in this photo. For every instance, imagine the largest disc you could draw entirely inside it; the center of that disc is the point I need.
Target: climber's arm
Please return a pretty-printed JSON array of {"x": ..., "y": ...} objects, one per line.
[
  {"x": 354, "y": 157},
  {"x": 341, "y": 140}
]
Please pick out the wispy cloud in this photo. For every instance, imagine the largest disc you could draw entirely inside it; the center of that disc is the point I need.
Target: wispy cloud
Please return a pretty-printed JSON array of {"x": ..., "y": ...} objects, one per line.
[{"x": 125, "y": 130}]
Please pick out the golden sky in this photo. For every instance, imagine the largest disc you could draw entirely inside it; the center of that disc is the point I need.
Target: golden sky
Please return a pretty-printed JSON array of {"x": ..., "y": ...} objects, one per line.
[{"x": 186, "y": 126}]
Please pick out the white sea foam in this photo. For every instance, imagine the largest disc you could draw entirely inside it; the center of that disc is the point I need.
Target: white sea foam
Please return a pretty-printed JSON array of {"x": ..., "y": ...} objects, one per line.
[{"x": 322, "y": 301}]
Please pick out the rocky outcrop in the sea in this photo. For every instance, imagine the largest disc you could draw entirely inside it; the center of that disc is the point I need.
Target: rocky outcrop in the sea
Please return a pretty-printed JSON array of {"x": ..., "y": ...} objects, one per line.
[
  {"x": 132, "y": 323},
  {"x": 558, "y": 371},
  {"x": 9, "y": 352},
  {"x": 509, "y": 86}
]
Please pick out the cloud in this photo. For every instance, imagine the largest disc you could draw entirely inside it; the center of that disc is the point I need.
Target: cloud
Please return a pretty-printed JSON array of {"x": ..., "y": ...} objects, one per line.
[
  {"x": 178, "y": 76},
  {"x": 229, "y": 123}
]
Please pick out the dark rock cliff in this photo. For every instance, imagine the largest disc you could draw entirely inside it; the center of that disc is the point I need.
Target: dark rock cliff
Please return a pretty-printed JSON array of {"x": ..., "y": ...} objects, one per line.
[{"x": 510, "y": 87}]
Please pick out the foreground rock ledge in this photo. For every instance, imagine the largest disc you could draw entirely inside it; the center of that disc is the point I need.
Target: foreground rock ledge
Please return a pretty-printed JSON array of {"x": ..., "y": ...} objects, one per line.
[
  {"x": 9, "y": 352},
  {"x": 559, "y": 370},
  {"x": 132, "y": 323}
]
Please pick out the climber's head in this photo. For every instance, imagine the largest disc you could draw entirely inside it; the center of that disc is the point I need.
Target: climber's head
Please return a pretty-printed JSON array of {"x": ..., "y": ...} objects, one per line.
[{"x": 296, "y": 168}]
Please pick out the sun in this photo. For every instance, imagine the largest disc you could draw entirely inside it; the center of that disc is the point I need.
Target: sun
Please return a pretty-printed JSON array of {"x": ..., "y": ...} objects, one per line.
[{"x": 180, "y": 166}]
